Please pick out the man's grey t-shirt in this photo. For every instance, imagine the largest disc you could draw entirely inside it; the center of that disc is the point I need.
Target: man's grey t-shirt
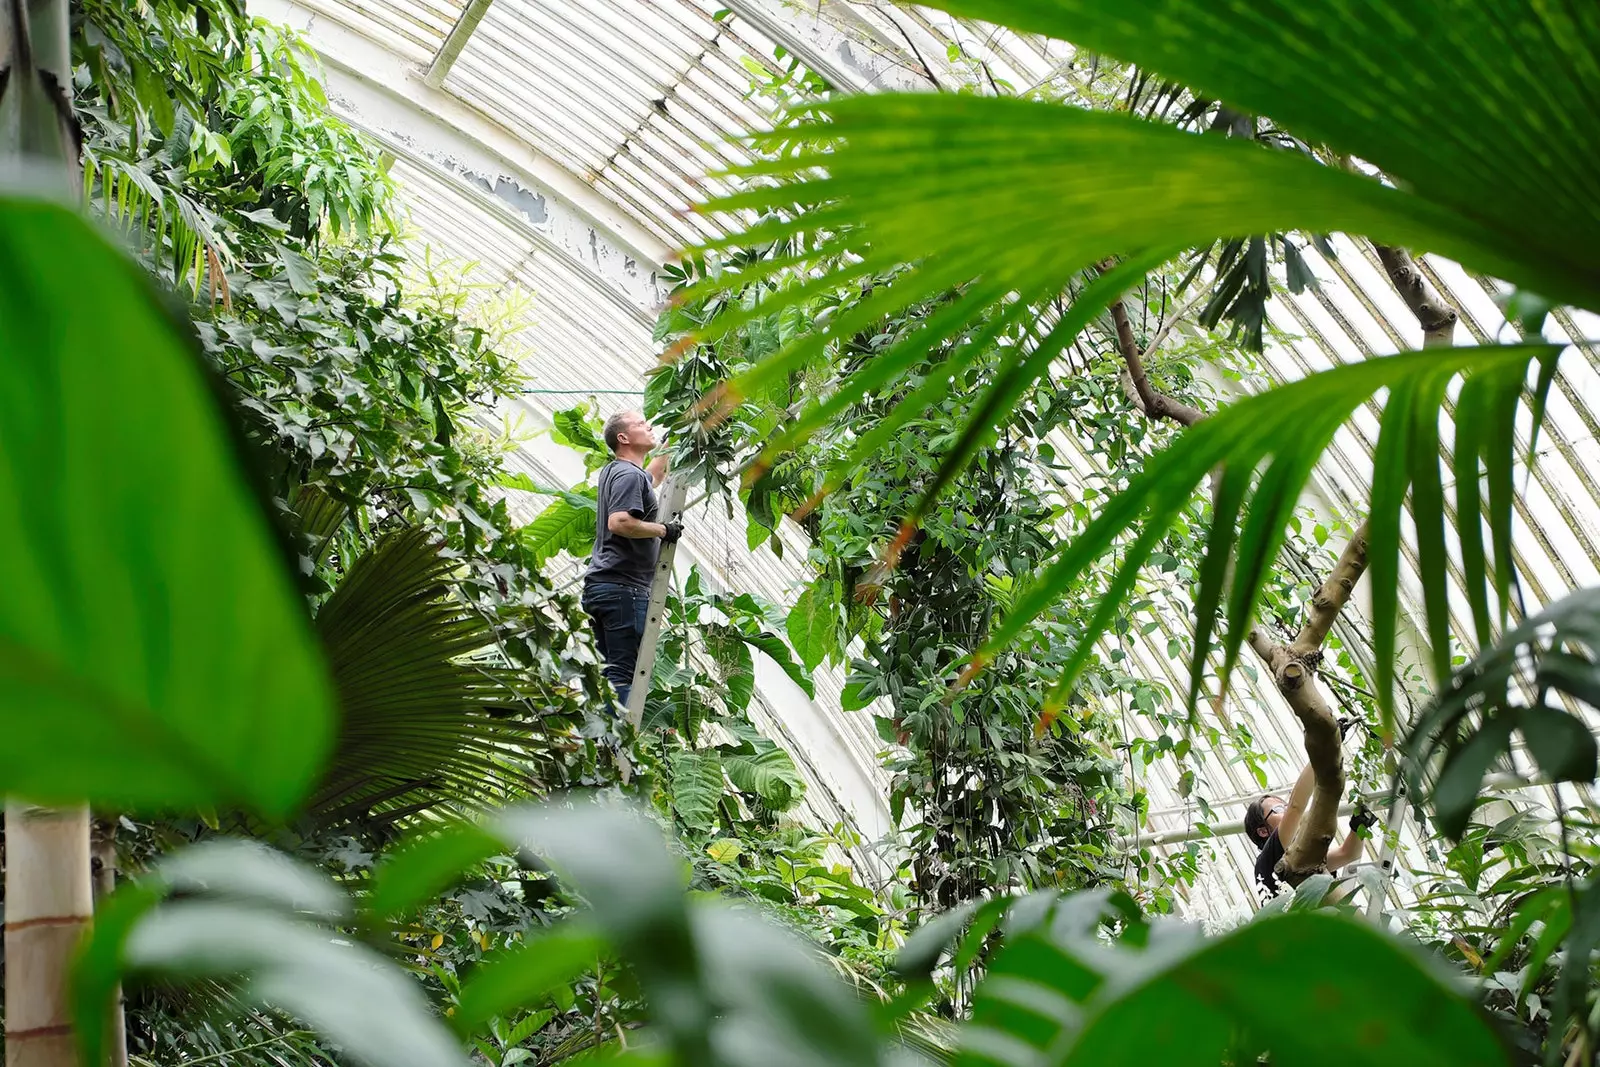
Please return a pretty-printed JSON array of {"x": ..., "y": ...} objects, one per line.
[{"x": 622, "y": 560}]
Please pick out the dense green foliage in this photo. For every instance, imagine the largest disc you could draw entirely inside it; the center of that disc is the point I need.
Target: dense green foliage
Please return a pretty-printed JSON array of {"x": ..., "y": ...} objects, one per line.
[
  {"x": 355, "y": 377},
  {"x": 984, "y": 802}
]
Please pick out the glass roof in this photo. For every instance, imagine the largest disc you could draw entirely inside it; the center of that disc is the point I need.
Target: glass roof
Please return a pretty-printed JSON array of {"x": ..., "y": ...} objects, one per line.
[{"x": 557, "y": 144}]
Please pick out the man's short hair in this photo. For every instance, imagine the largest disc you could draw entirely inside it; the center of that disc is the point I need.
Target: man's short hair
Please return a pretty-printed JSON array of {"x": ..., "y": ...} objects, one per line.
[
  {"x": 616, "y": 424},
  {"x": 1255, "y": 817}
]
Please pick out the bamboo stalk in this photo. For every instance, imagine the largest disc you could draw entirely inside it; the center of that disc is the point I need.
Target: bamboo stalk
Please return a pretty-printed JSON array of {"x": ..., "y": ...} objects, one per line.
[{"x": 48, "y": 905}]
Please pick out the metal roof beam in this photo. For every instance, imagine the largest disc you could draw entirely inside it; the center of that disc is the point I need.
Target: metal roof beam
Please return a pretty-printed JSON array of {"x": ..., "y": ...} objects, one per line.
[
  {"x": 460, "y": 34},
  {"x": 842, "y": 60},
  {"x": 379, "y": 92}
]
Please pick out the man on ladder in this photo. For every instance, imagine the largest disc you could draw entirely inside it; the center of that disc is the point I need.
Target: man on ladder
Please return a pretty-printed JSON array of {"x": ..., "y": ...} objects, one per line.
[{"x": 627, "y": 539}]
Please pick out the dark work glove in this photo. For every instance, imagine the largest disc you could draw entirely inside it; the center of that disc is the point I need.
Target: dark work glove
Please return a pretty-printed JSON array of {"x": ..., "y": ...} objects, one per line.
[
  {"x": 1345, "y": 724},
  {"x": 1362, "y": 818},
  {"x": 673, "y": 532}
]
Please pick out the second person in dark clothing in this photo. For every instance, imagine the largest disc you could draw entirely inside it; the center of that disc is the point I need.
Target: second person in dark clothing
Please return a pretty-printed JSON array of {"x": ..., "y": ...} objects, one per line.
[
  {"x": 1270, "y": 821},
  {"x": 627, "y": 540}
]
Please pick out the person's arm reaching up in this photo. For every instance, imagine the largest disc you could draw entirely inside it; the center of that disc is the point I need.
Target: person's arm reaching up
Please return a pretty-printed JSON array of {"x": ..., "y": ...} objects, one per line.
[
  {"x": 657, "y": 469},
  {"x": 1345, "y": 852},
  {"x": 1299, "y": 797},
  {"x": 1349, "y": 849}
]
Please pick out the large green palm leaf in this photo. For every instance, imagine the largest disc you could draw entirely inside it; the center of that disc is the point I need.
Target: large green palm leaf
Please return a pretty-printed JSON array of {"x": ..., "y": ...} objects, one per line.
[
  {"x": 1010, "y": 203},
  {"x": 426, "y": 716},
  {"x": 1487, "y": 110}
]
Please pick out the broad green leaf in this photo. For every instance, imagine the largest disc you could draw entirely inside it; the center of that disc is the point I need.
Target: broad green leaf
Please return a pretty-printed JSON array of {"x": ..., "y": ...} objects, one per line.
[
  {"x": 418, "y": 872},
  {"x": 1187, "y": 1000},
  {"x": 779, "y": 653},
  {"x": 814, "y": 622},
  {"x": 1484, "y": 123},
  {"x": 769, "y": 774},
  {"x": 571, "y": 427},
  {"x": 697, "y": 788},
  {"x": 853, "y": 696},
  {"x": 300, "y": 271},
  {"x": 153, "y": 650},
  {"x": 524, "y": 975},
  {"x": 563, "y": 526},
  {"x": 725, "y": 849}
]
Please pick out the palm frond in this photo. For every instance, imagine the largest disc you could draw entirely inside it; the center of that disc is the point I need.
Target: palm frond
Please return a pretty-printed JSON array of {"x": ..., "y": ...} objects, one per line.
[
  {"x": 1285, "y": 431},
  {"x": 1006, "y": 202},
  {"x": 427, "y": 716},
  {"x": 1487, "y": 110},
  {"x": 1508, "y": 689},
  {"x": 181, "y": 231}
]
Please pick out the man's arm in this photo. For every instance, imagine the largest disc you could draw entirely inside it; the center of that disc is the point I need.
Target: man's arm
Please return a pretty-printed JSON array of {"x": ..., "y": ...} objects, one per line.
[
  {"x": 625, "y": 525},
  {"x": 657, "y": 469}
]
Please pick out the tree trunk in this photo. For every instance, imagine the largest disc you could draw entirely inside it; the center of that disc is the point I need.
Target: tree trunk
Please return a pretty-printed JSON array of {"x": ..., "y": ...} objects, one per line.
[
  {"x": 49, "y": 893},
  {"x": 48, "y": 904}
]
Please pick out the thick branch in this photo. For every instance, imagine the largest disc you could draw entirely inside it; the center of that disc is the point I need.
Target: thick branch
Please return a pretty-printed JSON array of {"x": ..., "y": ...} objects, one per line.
[
  {"x": 1437, "y": 318},
  {"x": 1332, "y": 595},
  {"x": 1295, "y": 675},
  {"x": 1293, "y": 666},
  {"x": 1156, "y": 405}
]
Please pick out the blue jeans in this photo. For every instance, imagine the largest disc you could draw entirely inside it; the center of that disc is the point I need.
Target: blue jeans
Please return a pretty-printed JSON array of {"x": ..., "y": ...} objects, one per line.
[{"x": 617, "y": 614}]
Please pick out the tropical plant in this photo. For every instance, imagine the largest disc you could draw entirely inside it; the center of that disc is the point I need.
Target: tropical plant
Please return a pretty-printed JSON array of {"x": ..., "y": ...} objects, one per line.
[
  {"x": 1545, "y": 908},
  {"x": 429, "y": 711},
  {"x": 986, "y": 795},
  {"x": 872, "y": 176},
  {"x": 1081, "y": 979},
  {"x": 358, "y": 381}
]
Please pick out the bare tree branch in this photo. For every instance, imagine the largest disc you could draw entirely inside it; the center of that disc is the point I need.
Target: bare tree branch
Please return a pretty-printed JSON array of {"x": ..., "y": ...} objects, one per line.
[
  {"x": 1437, "y": 318},
  {"x": 1154, "y": 404},
  {"x": 1331, "y": 597},
  {"x": 1294, "y": 665}
]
